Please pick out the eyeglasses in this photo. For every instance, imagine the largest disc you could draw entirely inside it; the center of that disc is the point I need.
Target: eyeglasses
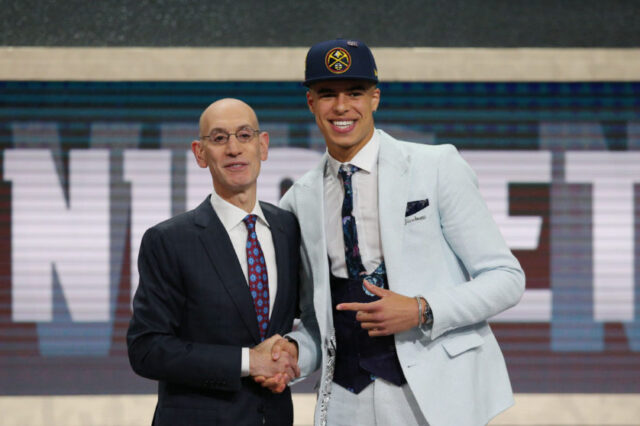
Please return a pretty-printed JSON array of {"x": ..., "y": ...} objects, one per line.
[{"x": 220, "y": 137}]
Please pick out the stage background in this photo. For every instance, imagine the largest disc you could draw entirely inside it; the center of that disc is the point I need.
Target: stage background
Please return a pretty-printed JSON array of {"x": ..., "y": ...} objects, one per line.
[{"x": 94, "y": 148}]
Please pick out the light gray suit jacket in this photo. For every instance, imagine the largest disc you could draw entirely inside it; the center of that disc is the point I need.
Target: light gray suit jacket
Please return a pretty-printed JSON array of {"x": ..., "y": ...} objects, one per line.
[{"x": 451, "y": 252}]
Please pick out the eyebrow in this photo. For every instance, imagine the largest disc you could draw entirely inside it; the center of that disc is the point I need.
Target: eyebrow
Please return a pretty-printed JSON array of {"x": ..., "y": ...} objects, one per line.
[{"x": 220, "y": 129}]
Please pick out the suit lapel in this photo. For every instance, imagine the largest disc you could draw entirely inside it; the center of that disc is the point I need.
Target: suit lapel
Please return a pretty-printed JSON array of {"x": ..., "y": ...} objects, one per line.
[
  {"x": 310, "y": 213},
  {"x": 393, "y": 192},
  {"x": 223, "y": 258}
]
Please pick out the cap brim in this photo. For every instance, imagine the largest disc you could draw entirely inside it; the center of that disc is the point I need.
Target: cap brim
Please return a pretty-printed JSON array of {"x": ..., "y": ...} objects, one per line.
[{"x": 310, "y": 81}]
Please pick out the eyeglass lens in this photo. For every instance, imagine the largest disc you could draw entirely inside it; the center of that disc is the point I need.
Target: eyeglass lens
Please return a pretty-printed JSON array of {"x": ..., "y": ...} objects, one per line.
[{"x": 221, "y": 137}]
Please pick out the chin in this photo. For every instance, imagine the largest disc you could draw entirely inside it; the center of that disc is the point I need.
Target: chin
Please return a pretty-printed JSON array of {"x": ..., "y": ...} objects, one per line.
[{"x": 347, "y": 144}]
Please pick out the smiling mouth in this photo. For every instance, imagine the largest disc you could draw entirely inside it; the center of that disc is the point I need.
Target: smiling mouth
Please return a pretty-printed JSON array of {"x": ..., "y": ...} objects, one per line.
[
  {"x": 343, "y": 125},
  {"x": 235, "y": 166}
]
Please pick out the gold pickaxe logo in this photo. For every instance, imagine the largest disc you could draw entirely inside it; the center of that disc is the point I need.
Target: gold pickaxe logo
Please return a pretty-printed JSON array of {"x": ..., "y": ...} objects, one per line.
[{"x": 337, "y": 60}]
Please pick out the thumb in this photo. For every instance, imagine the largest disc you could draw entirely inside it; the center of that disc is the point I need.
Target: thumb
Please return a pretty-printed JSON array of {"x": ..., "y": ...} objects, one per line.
[{"x": 275, "y": 350}]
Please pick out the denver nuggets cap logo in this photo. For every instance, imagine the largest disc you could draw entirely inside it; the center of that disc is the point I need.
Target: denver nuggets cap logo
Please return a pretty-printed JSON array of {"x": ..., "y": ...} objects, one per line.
[{"x": 337, "y": 60}]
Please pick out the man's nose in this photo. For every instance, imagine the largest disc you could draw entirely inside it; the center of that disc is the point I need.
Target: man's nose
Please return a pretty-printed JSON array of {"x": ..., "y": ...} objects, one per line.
[
  {"x": 342, "y": 103},
  {"x": 233, "y": 145}
]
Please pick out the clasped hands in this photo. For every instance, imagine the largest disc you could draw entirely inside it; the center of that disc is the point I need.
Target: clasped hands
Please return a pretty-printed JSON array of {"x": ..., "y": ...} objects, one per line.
[{"x": 274, "y": 362}]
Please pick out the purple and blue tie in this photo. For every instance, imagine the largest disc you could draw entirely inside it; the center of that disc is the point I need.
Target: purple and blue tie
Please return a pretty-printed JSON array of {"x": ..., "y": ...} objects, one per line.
[{"x": 257, "y": 275}]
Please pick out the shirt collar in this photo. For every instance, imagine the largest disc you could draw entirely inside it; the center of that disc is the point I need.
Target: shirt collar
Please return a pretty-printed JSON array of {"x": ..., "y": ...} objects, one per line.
[
  {"x": 231, "y": 215},
  {"x": 365, "y": 159}
]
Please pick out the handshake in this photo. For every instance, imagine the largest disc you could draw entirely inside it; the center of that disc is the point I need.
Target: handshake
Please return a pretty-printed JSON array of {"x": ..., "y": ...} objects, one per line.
[{"x": 274, "y": 363}]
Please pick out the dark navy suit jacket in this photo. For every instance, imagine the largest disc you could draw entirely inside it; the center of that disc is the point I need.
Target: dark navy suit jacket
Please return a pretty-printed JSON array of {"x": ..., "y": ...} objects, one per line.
[{"x": 192, "y": 314}]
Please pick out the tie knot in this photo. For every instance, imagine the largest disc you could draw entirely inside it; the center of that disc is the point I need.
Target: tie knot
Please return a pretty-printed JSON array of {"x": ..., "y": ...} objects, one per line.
[
  {"x": 346, "y": 170},
  {"x": 250, "y": 220}
]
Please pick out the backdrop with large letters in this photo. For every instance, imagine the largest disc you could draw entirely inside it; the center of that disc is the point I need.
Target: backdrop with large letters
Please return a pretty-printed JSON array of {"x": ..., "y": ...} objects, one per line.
[{"x": 85, "y": 168}]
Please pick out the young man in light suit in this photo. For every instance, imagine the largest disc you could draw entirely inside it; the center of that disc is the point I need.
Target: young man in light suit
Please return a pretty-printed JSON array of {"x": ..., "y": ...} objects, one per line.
[
  {"x": 402, "y": 266},
  {"x": 218, "y": 285}
]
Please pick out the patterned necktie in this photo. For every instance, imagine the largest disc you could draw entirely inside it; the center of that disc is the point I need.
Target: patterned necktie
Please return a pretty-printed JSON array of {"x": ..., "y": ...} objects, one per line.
[
  {"x": 349, "y": 231},
  {"x": 257, "y": 274}
]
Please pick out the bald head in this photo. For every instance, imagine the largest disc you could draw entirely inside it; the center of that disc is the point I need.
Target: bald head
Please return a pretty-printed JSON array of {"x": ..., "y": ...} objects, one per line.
[{"x": 223, "y": 111}]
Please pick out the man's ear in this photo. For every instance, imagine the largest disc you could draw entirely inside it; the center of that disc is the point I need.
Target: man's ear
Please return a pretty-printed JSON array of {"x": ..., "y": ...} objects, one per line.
[
  {"x": 264, "y": 145},
  {"x": 375, "y": 99},
  {"x": 197, "y": 149},
  {"x": 310, "y": 101}
]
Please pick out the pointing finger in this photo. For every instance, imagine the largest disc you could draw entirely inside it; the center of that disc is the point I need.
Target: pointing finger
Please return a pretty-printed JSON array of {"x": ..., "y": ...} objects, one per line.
[
  {"x": 380, "y": 292},
  {"x": 351, "y": 306}
]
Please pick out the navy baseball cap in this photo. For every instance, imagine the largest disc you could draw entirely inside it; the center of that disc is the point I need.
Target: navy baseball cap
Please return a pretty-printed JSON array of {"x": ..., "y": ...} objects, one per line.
[{"x": 339, "y": 59}]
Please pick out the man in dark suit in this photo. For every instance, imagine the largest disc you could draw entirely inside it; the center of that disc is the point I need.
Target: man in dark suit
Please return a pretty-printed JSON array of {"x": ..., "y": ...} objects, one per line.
[{"x": 218, "y": 286}]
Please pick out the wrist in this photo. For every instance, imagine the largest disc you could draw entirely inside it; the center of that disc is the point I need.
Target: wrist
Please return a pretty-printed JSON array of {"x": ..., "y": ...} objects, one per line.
[
  {"x": 420, "y": 310},
  {"x": 426, "y": 314}
]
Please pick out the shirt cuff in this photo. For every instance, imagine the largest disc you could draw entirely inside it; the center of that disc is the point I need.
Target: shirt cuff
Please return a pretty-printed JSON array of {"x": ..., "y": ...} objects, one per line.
[{"x": 244, "y": 366}]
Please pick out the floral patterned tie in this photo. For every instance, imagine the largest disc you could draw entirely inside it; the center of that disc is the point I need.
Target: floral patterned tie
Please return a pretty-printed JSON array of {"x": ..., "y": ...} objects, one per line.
[
  {"x": 353, "y": 260},
  {"x": 257, "y": 275},
  {"x": 351, "y": 251}
]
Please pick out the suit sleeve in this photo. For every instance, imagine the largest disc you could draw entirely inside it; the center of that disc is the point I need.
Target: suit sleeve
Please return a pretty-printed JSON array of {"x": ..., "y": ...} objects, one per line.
[
  {"x": 496, "y": 280},
  {"x": 155, "y": 349},
  {"x": 307, "y": 333}
]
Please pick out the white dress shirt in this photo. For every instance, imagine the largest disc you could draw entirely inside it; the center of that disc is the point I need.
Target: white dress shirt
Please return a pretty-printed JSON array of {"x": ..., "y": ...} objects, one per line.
[
  {"x": 365, "y": 209},
  {"x": 231, "y": 218}
]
